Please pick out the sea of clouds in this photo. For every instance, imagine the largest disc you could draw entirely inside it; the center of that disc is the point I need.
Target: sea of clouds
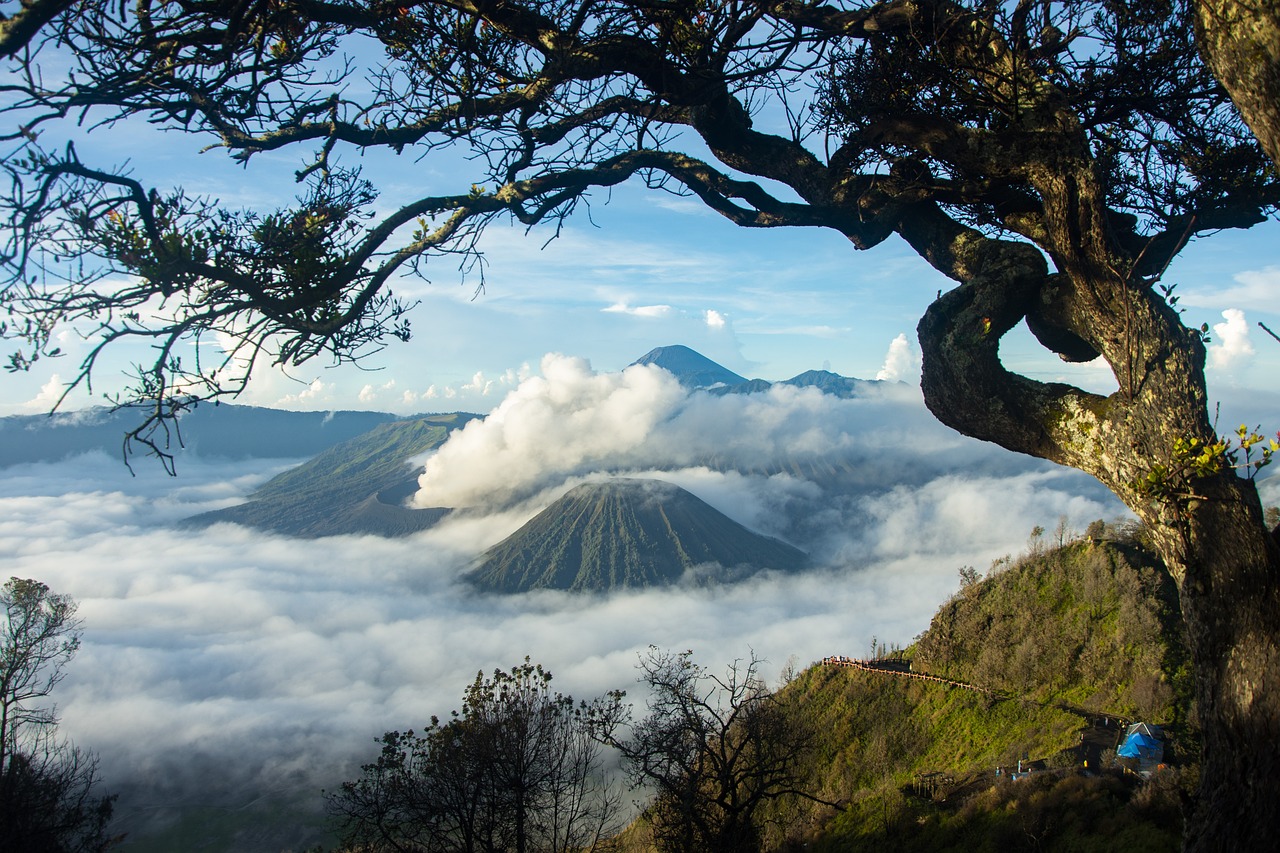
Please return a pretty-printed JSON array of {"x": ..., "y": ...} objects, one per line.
[{"x": 222, "y": 665}]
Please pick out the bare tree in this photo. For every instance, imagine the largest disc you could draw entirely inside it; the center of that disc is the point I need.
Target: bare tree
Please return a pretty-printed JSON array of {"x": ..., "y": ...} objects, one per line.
[
  {"x": 1050, "y": 158},
  {"x": 47, "y": 800},
  {"x": 41, "y": 634},
  {"x": 713, "y": 749},
  {"x": 517, "y": 769}
]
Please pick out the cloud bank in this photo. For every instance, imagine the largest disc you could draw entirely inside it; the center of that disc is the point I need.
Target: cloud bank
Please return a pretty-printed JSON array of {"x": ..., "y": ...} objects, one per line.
[
  {"x": 793, "y": 462},
  {"x": 225, "y": 664},
  {"x": 570, "y": 421}
]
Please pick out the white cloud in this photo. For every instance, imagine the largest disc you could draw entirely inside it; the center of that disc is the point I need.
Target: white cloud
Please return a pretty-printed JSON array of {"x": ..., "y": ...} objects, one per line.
[
  {"x": 901, "y": 362},
  {"x": 372, "y": 393},
  {"x": 290, "y": 656},
  {"x": 316, "y": 392},
  {"x": 50, "y": 393},
  {"x": 1230, "y": 344},
  {"x": 715, "y": 319},
  {"x": 567, "y": 418},
  {"x": 639, "y": 310},
  {"x": 482, "y": 386},
  {"x": 479, "y": 384},
  {"x": 476, "y": 393},
  {"x": 1259, "y": 289}
]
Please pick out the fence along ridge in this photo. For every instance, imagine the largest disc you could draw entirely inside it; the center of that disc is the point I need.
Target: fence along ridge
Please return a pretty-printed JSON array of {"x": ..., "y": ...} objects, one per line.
[{"x": 895, "y": 668}]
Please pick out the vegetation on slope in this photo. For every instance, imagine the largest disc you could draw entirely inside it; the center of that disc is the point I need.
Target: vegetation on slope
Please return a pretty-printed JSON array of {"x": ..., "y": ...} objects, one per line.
[
  {"x": 1075, "y": 641},
  {"x": 1057, "y": 649},
  {"x": 1070, "y": 813},
  {"x": 1084, "y": 624}
]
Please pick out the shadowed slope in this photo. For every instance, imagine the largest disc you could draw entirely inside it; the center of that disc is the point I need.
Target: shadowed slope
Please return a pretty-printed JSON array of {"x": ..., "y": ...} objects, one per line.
[{"x": 353, "y": 487}]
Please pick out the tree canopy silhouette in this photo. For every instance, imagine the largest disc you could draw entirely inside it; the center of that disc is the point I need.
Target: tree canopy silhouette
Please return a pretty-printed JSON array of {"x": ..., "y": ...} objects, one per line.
[
  {"x": 47, "y": 798},
  {"x": 1050, "y": 158},
  {"x": 517, "y": 769}
]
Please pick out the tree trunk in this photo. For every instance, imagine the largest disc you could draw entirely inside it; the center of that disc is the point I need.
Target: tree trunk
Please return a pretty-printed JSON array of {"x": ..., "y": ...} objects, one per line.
[
  {"x": 1240, "y": 39},
  {"x": 1231, "y": 604},
  {"x": 1208, "y": 529}
]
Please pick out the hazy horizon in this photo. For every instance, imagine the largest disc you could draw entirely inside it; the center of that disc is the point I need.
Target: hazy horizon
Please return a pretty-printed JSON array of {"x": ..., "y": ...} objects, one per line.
[{"x": 224, "y": 664}]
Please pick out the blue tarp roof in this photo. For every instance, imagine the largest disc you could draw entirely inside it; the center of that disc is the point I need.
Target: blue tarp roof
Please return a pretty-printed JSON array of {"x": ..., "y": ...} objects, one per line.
[{"x": 1142, "y": 742}]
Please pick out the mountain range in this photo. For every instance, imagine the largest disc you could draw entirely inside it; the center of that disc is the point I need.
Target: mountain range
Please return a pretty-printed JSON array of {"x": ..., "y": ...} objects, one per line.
[
  {"x": 696, "y": 371},
  {"x": 600, "y": 536},
  {"x": 224, "y": 430},
  {"x": 359, "y": 485}
]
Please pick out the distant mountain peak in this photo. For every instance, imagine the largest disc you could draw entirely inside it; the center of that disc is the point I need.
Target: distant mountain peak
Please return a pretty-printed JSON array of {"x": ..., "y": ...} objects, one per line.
[
  {"x": 831, "y": 383},
  {"x": 692, "y": 368}
]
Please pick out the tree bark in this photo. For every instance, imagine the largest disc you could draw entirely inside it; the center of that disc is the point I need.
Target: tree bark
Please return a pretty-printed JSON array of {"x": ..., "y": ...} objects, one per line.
[
  {"x": 1240, "y": 39},
  {"x": 21, "y": 29},
  {"x": 1231, "y": 606}
]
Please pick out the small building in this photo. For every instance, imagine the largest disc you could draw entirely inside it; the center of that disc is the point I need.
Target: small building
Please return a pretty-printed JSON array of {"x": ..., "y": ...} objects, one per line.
[{"x": 1142, "y": 748}]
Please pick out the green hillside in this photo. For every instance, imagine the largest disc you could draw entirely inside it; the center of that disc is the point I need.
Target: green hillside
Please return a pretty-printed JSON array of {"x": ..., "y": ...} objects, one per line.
[
  {"x": 1071, "y": 643},
  {"x": 1085, "y": 624},
  {"x": 626, "y": 533},
  {"x": 353, "y": 487}
]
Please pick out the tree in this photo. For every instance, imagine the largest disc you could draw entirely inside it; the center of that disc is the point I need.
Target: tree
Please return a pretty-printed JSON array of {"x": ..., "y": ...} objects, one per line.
[
  {"x": 1050, "y": 158},
  {"x": 1241, "y": 41},
  {"x": 19, "y": 29},
  {"x": 47, "y": 804},
  {"x": 516, "y": 770},
  {"x": 714, "y": 750}
]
